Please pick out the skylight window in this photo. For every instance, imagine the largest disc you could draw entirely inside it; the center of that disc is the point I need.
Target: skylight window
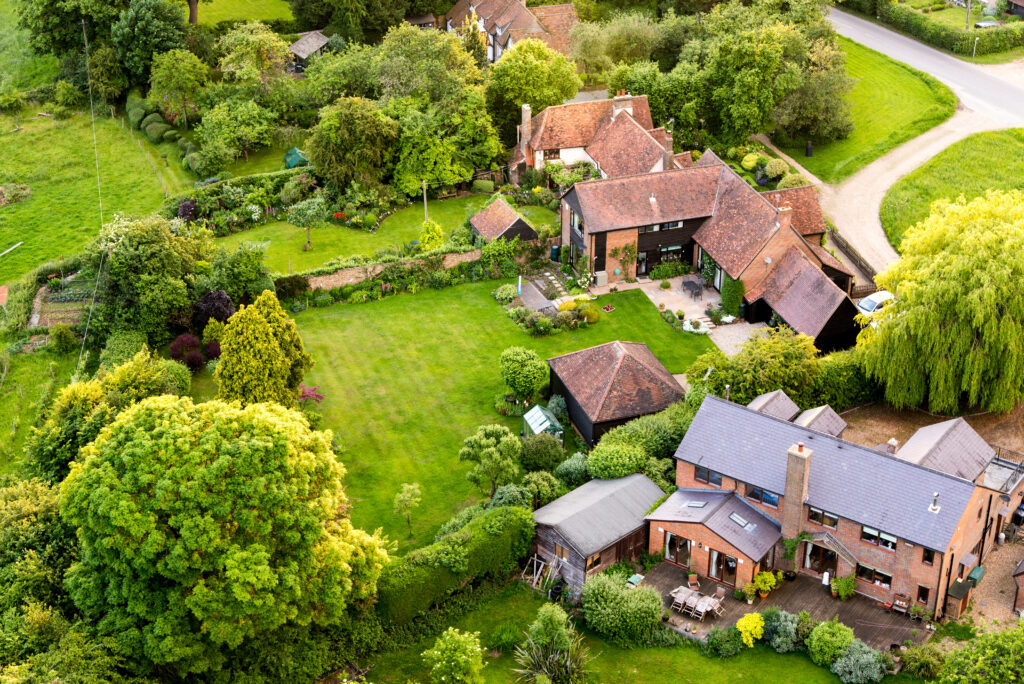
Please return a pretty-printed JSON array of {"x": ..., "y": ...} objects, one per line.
[
  {"x": 696, "y": 504},
  {"x": 738, "y": 519}
]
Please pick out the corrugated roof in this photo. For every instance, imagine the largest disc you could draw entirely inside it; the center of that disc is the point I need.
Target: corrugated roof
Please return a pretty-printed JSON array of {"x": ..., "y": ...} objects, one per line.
[
  {"x": 718, "y": 510},
  {"x": 776, "y": 403},
  {"x": 599, "y": 513},
  {"x": 951, "y": 446},
  {"x": 868, "y": 487},
  {"x": 822, "y": 419}
]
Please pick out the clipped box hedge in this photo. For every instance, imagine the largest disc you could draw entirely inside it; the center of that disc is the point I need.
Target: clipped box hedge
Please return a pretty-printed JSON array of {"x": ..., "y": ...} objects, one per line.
[
  {"x": 155, "y": 131},
  {"x": 153, "y": 118},
  {"x": 135, "y": 116},
  {"x": 121, "y": 346}
]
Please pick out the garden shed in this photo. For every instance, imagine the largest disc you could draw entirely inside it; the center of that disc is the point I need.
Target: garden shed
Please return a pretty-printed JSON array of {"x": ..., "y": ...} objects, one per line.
[
  {"x": 610, "y": 384},
  {"x": 309, "y": 43},
  {"x": 499, "y": 220},
  {"x": 539, "y": 420},
  {"x": 295, "y": 157}
]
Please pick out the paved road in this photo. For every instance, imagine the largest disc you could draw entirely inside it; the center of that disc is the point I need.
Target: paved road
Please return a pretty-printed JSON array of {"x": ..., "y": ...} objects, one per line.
[{"x": 977, "y": 89}]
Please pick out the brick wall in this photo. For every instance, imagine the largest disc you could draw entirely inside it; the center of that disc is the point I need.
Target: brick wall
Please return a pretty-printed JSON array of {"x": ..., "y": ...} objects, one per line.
[
  {"x": 618, "y": 238},
  {"x": 700, "y": 556}
]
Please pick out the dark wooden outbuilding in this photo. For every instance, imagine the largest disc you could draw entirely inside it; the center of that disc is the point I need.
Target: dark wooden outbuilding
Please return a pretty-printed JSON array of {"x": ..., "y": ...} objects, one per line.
[
  {"x": 499, "y": 220},
  {"x": 610, "y": 384}
]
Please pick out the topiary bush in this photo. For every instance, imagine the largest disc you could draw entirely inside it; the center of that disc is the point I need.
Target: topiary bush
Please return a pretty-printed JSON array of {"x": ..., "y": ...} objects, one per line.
[
  {"x": 749, "y": 161},
  {"x": 183, "y": 344},
  {"x": 776, "y": 168},
  {"x": 861, "y": 664},
  {"x": 505, "y": 293},
  {"x": 541, "y": 452},
  {"x": 609, "y": 461},
  {"x": 151, "y": 118},
  {"x": 483, "y": 186},
  {"x": 194, "y": 360},
  {"x": 828, "y": 642},
  {"x": 573, "y": 471},
  {"x": 155, "y": 132},
  {"x": 627, "y": 617},
  {"x": 793, "y": 180},
  {"x": 211, "y": 349}
]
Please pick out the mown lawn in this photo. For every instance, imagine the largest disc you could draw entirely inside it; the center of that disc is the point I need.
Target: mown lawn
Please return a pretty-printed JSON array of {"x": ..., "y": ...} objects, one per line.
[
  {"x": 20, "y": 67},
  {"x": 284, "y": 241},
  {"x": 993, "y": 159},
  {"x": 891, "y": 103},
  {"x": 210, "y": 13},
  {"x": 55, "y": 159},
  {"x": 20, "y": 392},
  {"x": 406, "y": 379},
  {"x": 518, "y": 604}
]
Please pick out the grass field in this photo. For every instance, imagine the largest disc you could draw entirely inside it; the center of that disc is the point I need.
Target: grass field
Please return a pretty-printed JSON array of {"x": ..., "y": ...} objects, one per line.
[
  {"x": 969, "y": 167},
  {"x": 211, "y": 13},
  {"x": 20, "y": 67},
  {"x": 20, "y": 393},
  {"x": 406, "y": 379},
  {"x": 285, "y": 241},
  {"x": 891, "y": 104},
  {"x": 55, "y": 159},
  {"x": 684, "y": 664}
]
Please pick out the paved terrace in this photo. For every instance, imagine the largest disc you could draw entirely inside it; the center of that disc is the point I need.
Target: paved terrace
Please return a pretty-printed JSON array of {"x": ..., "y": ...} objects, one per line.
[{"x": 871, "y": 622}]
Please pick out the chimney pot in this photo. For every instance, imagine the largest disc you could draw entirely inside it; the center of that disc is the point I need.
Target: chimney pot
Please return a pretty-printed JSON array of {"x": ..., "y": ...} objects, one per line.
[
  {"x": 800, "y": 446},
  {"x": 892, "y": 445}
]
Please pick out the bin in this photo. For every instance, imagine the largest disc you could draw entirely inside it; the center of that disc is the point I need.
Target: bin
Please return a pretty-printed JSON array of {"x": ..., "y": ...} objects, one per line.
[{"x": 554, "y": 252}]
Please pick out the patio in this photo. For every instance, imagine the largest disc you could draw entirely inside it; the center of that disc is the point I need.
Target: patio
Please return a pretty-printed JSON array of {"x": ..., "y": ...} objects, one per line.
[{"x": 870, "y": 622}]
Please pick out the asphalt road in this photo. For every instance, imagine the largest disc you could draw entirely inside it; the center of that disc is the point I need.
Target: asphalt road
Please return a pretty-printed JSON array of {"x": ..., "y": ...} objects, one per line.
[{"x": 994, "y": 97}]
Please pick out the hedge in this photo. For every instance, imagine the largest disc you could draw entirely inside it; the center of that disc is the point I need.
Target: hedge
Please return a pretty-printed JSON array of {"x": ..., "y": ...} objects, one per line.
[
  {"x": 121, "y": 346},
  {"x": 491, "y": 545},
  {"x": 957, "y": 40},
  {"x": 842, "y": 383},
  {"x": 171, "y": 135},
  {"x": 155, "y": 131},
  {"x": 732, "y": 296},
  {"x": 154, "y": 118},
  {"x": 135, "y": 117}
]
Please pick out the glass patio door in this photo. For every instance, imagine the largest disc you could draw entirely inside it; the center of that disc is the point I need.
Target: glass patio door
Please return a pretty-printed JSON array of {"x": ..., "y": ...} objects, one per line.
[
  {"x": 677, "y": 549},
  {"x": 821, "y": 560},
  {"x": 722, "y": 568}
]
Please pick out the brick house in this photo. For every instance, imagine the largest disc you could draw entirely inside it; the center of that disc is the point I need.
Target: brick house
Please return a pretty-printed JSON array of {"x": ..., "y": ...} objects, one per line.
[
  {"x": 708, "y": 211},
  {"x": 506, "y": 22},
  {"x": 913, "y": 522},
  {"x": 499, "y": 220},
  {"x": 595, "y": 525},
  {"x": 1017, "y": 7},
  {"x": 611, "y": 384},
  {"x": 617, "y": 136}
]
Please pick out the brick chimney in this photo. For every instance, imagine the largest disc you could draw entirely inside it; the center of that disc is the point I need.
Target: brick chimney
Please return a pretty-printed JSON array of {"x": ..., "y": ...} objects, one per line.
[
  {"x": 526, "y": 126},
  {"x": 798, "y": 470},
  {"x": 669, "y": 163},
  {"x": 785, "y": 216},
  {"x": 622, "y": 102}
]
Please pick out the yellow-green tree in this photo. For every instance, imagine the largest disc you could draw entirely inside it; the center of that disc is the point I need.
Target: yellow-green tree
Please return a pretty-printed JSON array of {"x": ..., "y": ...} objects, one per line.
[
  {"x": 431, "y": 235},
  {"x": 954, "y": 332},
  {"x": 207, "y": 527},
  {"x": 262, "y": 356}
]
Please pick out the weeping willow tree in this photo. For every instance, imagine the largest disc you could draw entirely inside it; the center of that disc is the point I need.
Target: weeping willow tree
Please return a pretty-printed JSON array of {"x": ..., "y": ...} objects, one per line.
[{"x": 954, "y": 333}]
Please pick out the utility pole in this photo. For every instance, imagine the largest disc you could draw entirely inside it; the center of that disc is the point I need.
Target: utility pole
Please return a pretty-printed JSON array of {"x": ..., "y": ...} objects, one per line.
[
  {"x": 425, "y": 217},
  {"x": 967, "y": 23}
]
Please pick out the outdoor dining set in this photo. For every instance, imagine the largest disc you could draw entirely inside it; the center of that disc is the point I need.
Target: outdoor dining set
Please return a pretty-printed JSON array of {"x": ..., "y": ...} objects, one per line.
[
  {"x": 694, "y": 284},
  {"x": 693, "y": 603}
]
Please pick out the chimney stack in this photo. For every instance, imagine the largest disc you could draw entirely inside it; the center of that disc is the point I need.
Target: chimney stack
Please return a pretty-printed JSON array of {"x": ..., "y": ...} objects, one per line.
[
  {"x": 525, "y": 126},
  {"x": 622, "y": 102},
  {"x": 798, "y": 471},
  {"x": 892, "y": 445},
  {"x": 785, "y": 216},
  {"x": 669, "y": 153}
]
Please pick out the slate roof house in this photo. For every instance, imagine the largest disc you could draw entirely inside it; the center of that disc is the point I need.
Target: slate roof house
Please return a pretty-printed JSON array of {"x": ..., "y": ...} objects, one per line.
[
  {"x": 708, "y": 211},
  {"x": 610, "y": 384},
  {"x": 617, "y": 136},
  {"x": 912, "y": 523},
  {"x": 499, "y": 220},
  {"x": 506, "y": 22},
  {"x": 595, "y": 525}
]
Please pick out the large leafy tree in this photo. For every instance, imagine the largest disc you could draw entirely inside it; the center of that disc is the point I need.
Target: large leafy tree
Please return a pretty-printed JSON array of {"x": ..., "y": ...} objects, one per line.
[
  {"x": 146, "y": 27},
  {"x": 530, "y": 73},
  {"x": 987, "y": 658},
  {"x": 54, "y": 26},
  {"x": 818, "y": 107},
  {"x": 262, "y": 356},
  {"x": 252, "y": 52},
  {"x": 494, "y": 450},
  {"x": 953, "y": 333},
  {"x": 238, "y": 126},
  {"x": 205, "y": 527},
  {"x": 523, "y": 371},
  {"x": 353, "y": 72},
  {"x": 353, "y": 141},
  {"x": 176, "y": 79},
  {"x": 430, "y": 65}
]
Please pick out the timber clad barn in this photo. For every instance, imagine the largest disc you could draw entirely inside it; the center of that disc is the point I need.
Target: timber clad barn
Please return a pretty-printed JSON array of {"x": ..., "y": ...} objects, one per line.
[
  {"x": 499, "y": 220},
  {"x": 595, "y": 525}
]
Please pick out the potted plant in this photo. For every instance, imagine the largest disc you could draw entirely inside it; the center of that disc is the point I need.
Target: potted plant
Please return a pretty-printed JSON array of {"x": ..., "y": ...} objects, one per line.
[
  {"x": 917, "y": 612},
  {"x": 739, "y": 595},
  {"x": 692, "y": 578},
  {"x": 843, "y": 587},
  {"x": 789, "y": 575},
  {"x": 749, "y": 591},
  {"x": 661, "y": 306},
  {"x": 765, "y": 582}
]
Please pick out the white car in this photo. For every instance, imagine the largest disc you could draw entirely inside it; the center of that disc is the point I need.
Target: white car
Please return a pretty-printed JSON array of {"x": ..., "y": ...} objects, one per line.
[{"x": 875, "y": 302}]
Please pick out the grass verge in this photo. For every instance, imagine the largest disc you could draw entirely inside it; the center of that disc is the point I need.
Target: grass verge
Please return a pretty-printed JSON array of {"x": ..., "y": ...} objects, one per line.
[
  {"x": 20, "y": 67},
  {"x": 993, "y": 159},
  {"x": 891, "y": 103},
  {"x": 408, "y": 378}
]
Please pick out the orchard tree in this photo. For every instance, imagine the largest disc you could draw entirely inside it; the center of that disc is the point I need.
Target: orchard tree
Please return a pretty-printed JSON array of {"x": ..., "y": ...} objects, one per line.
[
  {"x": 953, "y": 333},
  {"x": 494, "y": 450},
  {"x": 238, "y": 126},
  {"x": 206, "y": 527},
  {"x": 530, "y": 73},
  {"x": 523, "y": 371},
  {"x": 145, "y": 28},
  {"x": 818, "y": 107},
  {"x": 987, "y": 658},
  {"x": 262, "y": 356},
  {"x": 354, "y": 141},
  {"x": 431, "y": 65},
  {"x": 105, "y": 71},
  {"x": 309, "y": 214},
  {"x": 176, "y": 79},
  {"x": 406, "y": 500},
  {"x": 252, "y": 52}
]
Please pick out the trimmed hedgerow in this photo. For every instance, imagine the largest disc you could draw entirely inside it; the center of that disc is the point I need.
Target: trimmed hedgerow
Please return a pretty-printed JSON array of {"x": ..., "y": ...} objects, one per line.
[
  {"x": 121, "y": 346},
  {"x": 627, "y": 617}
]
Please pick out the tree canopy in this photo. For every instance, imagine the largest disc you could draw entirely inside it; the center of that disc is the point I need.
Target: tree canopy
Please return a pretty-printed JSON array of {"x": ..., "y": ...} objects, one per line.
[
  {"x": 354, "y": 141},
  {"x": 495, "y": 451},
  {"x": 176, "y": 78},
  {"x": 144, "y": 28},
  {"x": 953, "y": 333},
  {"x": 252, "y": 52},
  {"x": 207, "y": 526}
]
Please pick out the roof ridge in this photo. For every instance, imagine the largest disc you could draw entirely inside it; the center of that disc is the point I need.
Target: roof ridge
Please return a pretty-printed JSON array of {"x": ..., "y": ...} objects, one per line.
[
  {"x": 639, "y": 175},
  {"x": 841, "y": 442},
  {"x": 611, "y": 378}
]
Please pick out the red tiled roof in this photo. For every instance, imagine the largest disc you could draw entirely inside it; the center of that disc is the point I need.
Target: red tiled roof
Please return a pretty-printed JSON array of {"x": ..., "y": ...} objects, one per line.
[
  {"x": 558, "y": 20},
  {"x": 494, "y": 219},
  {"x": 799, "y": 293},
  {"x": 550, "y": 24},
  {"x": 621, "y": 147},
  {"x": 575, "y": 124},
  {"x": 807, "y": 216},
  {"x": 617, "y": 380},
  {"x": 617, "y": 203},
  {"x": 830, "y": 260},
  {"x": 684, "y": 160},
  {"x": 741, "y": 225}
]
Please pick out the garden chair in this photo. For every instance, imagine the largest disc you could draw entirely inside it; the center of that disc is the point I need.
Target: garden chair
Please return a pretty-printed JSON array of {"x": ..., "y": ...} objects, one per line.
[
  {"x": 693, "y": 585},
  {"x": 677, "y": 604},
  {"x": 719, "y": 593},
  {"x": 691, "y": 605}
]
